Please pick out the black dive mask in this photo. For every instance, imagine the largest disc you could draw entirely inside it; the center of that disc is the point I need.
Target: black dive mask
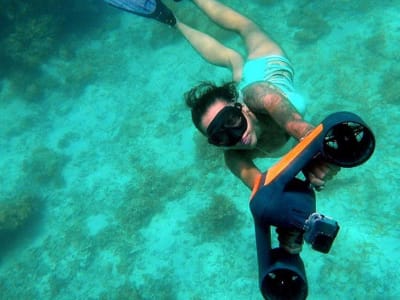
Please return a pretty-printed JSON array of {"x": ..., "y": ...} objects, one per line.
[{"x": 228, "y": 126}]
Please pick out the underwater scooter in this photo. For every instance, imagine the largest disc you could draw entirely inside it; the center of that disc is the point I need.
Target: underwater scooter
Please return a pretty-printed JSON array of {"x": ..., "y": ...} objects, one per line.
[{"x": 280, "y": 199}]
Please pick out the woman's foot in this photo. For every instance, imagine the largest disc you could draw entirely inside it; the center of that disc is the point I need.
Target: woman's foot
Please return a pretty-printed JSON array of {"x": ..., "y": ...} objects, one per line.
[{"x": 153, "y": 9}]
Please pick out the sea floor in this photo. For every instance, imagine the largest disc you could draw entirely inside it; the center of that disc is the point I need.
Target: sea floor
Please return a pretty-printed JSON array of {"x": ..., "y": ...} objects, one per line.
[{"x": 112, "y": 194}]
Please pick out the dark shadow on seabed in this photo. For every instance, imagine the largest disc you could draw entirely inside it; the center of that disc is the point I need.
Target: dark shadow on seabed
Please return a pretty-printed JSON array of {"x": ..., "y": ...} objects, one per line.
[{"x": 20, "y": 223}]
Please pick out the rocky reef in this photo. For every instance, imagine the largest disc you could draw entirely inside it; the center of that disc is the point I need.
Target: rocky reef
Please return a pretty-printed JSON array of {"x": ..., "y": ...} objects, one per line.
[
  {"x": 17, "y": 211},
  {"x": 33, "y": 32}
]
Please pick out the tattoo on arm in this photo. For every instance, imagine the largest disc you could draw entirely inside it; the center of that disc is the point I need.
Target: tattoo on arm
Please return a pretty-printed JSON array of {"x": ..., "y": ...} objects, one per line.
[{"x": 265, "y": 98}]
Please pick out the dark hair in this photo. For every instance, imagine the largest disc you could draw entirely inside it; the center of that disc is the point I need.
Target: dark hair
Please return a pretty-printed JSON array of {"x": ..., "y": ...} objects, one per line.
[{"x": 202, "y": 96}]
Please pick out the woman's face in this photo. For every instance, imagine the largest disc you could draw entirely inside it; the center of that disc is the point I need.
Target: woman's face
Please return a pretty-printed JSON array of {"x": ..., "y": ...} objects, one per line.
[{"x": 248, "y": 139}]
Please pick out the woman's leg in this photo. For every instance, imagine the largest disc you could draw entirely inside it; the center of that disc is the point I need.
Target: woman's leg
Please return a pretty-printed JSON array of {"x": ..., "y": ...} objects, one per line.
[
  {"x": 257, "y": 42},
  {"x": 212, "y": 50}
]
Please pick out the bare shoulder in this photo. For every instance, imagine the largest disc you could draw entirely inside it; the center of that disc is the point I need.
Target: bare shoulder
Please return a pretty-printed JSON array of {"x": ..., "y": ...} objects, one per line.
[{"x": 261, "y": 95}]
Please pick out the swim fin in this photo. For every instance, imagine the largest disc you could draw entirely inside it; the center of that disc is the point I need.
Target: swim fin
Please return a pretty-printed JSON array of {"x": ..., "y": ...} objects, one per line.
[{"x": 153, "y": 9}]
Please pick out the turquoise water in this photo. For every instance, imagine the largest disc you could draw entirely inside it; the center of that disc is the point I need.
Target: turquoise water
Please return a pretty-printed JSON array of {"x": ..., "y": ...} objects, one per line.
[{"x": 108, "y": 192}]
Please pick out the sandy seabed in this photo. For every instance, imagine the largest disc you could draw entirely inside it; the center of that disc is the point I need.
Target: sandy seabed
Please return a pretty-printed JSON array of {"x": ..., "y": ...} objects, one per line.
[{"x": 123, "y": 199}]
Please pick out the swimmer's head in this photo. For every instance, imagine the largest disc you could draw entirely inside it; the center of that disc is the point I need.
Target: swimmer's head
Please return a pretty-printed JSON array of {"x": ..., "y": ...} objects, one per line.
[{"x": 203, "y": 97}]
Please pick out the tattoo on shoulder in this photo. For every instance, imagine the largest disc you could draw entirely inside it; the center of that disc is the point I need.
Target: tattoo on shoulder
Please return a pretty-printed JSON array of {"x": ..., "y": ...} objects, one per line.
[
  {"x": 255, "y": 96},
  {"x": 265, "y": 98}
]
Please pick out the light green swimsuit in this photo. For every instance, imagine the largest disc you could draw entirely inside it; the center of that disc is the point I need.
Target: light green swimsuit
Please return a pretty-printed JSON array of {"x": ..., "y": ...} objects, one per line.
[{"x": 276, "y": 70}]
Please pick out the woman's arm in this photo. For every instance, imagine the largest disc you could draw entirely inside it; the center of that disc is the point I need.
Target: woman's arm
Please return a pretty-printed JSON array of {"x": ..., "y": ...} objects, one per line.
[
  {"x": 242, "y": 166},
  {"x": 264, "y": 98}
]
